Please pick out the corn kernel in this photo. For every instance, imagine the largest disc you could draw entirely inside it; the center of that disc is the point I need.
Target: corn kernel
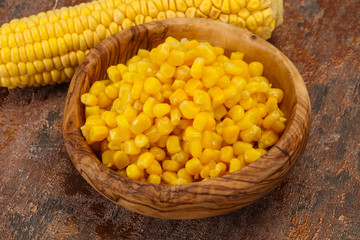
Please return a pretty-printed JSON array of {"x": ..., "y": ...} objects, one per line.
[
  {"x": 189, "y": 109},
  {"x": 141, "y": 140},
  {"x": 182, "y": 157},
  {"x": 182, "y": 173},
  {"x": 226, "y": 154},
  {"x": 173, "y": 144},
  {"x": 164, "y": 126},
  {"x": 236, "y": 164},
  {"x": 230, "y": 133},
  {"x": 251, "y": 134},
  {"x": 108, "y": 158},
  {"x": 161, "y": 109},
  {"x": 169, "y": 176},
  {"x": 140, "y": 123},
  {"x": 154, "y": 179},
  {"x": 130, "y": 147},
  {"x": 197, "y": 68},
  {"x": 121, "y": 159},
  {"x": 256, "y": 69},
  {"x": 251, "y": 155},
  {"x": 158, "y": 153},
  {"x": 145, "y": 160},
  {"x": 209, "y": 154},
  {"x": 98, "y": 133},
  {"x": 193, "y": 166},
  {"x": 89, "y": 99},
  {"x": 133, "y": 172},
  {"x": 152, "y": 85},
  {"x": 195, "y": 148}
]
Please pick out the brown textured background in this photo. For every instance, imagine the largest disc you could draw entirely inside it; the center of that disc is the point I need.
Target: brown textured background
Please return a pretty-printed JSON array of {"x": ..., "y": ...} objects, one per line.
[{"x": 43, "y": 197}]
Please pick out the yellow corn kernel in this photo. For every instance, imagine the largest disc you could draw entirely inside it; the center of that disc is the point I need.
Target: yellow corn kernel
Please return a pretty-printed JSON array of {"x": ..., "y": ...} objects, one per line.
[
  {"x": 173, "y": 144},
  {"x": 278, "y": 126},
  {"x": 166, "y": 70},
  {"x": 193, "y": 166},
  {"x": 197, "y": 68},
  {"x": 152, "y": 134},
  {"x": 163, "y": 125},
  {"x": 175, "y": 116},
  {"x": 141, "y": 140},
  {"x": 195, "y": 148},
  {"x": 152, "y": 85},
  {"x": 98, "y": 133},
  {"x": 176, "y": 57},
  {"x": 130, "y": 147},
  {"x": 161, "y": 109},
  {"x": 205, "y": 172},
  {"x": 189, "y": 109},
  {"x": 140, "y": 123},
  {"x": 154, "y": 179},
  {"x": 95, "y": 110},
  {"x": 133, "y": 172},
  {"x": 182, "y": 157},
  {"x": 256, "y": 68},
  {"x": 230, "y": 133},
  {"x": 218, "y": 171},
  {"x": 248, "y": 103},
  {"x": 107, "y": 158},
  {"x": 219, "y": 112},
  {"x": 240, "y": 147},
  {"x": 251, "y": 134},
  {"x": 206, "y": 52},
  {"x": 251, "y": 155},
  {"x": 230, "y": 91},
  {"x": 277, "y": 93},
  {"x": 183, "y": 174},
  {"x": 89, "y": 99},
  {"x": 154, "y": 168},
  {"x": 270, "y": 119},
  {"x": 223, "y": 81},
  {"x": 119, "y": 134},
  {"x": 217, "y": 96},
  {"x": 236, "y": 164},
  {"x": 192, "y": 85},
  {"x": 271, "y": 104},
  {"x": 236, "y": 113},
  {"x": 103, "y": 100},
  {"x": 268, "y": 138},
  {"x": 191, "y": 134},
  {"x": 109, "y": 118},
  {"x": 210, "y": 76},
  {"x": 158, "y": 153},
  {"x": 209, "y": 154},
  {"x": 145, "y": 160},
  {"x": 171, "y": 165},
  {"x": 200, "y": 121},
  {"x": 182, "y": 73},
  {"x": 169, "y": 176},
  {"x": 226, "y": 154},
  {"x": 121, "y": 159}
]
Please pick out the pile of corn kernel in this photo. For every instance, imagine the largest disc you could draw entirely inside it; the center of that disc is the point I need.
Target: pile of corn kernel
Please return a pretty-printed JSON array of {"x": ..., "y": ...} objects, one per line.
[{"x": 182, "y": 112}]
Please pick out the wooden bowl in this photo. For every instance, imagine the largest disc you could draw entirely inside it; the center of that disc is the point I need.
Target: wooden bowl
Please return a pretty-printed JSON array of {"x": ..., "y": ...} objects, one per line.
[{"x": 207, "y": 198}]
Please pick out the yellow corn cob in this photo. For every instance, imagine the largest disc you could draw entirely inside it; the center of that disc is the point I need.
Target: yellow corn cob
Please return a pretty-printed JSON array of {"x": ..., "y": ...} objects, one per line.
[{"x": 46, "y": 48}]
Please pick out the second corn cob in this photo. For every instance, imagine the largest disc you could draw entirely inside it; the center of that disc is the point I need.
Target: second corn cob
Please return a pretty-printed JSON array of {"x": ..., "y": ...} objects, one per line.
[{"x": 46, "y": 48}]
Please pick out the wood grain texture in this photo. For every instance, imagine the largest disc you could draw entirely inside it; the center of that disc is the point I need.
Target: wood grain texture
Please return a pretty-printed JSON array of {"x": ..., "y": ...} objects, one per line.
[
  {"x": 196, "y": 200},
  {"x": 42, "y": 195}
]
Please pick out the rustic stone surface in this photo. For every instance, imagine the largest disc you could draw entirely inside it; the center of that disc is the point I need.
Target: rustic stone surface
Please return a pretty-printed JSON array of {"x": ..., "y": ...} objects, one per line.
[{"x": 43, "y": 197}]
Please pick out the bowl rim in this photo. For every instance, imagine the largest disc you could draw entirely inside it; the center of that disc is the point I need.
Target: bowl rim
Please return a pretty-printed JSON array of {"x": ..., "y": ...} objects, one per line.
[{"x": 278, "y": 157}]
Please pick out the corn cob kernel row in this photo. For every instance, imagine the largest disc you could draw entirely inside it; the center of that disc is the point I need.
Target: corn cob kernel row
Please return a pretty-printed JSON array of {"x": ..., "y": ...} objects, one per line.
[{"x": 55, "y": 34}]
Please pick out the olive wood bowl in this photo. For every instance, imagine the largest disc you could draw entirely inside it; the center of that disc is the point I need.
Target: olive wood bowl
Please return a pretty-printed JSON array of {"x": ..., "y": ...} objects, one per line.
[{"x": 201, "y": 199}]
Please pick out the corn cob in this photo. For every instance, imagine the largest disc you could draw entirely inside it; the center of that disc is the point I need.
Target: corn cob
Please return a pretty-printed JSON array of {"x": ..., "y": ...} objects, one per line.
[{"x": 46, "y": 48}]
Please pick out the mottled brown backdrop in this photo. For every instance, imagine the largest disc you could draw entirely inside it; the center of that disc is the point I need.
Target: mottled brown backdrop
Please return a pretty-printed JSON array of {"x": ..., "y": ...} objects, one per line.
[{"x": 43, "y": 197}]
